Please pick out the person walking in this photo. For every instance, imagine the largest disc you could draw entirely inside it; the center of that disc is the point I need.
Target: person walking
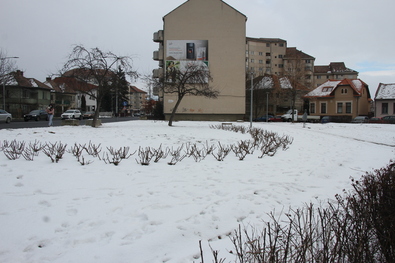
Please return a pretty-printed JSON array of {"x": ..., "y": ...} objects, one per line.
[{"x": 51, "y": 112}]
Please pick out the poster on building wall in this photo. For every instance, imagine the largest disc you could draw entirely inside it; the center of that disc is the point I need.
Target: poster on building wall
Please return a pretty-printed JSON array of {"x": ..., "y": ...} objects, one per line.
[
  {"x": 187, "y": 50},
  {"x": 181, "y": 54}
]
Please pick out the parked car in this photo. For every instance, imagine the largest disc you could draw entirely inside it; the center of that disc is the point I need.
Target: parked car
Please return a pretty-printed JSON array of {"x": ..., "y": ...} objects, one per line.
[
  {"x": 263, "y": 118},
  {"x": 71, "y": 114},
  {"x": 275, "y": 119},
  {"x": 376, "y": 120},
  {"x": 360, "y": 119},
  {"x": 388, "y": 119},
  {"x": 88, "y": 114},
  {"x": 326, "y": 119},
  {"x": 5, "y": 116},
  {"x": 36, "y": 115}
]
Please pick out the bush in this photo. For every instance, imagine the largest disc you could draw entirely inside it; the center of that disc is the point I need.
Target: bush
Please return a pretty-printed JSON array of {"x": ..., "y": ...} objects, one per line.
[{"x": 359, "y": 227}]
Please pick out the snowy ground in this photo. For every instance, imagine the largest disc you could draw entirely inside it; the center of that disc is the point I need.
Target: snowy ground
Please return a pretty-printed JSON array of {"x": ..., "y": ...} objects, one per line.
[{"x": 66, "y": 212}]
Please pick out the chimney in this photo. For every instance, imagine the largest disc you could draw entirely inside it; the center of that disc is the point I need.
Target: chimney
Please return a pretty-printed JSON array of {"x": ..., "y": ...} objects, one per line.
[
  {"x": 48, "y": 79},
  {"x": 19, "y": 73}
]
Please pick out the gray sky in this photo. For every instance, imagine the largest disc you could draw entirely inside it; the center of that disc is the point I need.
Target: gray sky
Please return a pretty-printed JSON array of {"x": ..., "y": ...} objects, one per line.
[{"x": 42, "y": 32}]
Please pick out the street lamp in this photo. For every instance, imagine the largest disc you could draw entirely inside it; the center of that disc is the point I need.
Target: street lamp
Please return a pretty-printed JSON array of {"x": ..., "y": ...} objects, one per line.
[
  {"x": 4, "y": 81},
  {"x": 252, "y": 96}
]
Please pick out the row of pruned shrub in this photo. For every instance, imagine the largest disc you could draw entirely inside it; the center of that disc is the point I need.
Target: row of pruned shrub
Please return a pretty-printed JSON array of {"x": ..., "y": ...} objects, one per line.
[{"x": 264, "y": 142}]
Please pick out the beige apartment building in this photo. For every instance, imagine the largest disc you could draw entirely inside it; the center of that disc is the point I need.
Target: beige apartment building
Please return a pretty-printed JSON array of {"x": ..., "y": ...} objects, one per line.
[
  {"x": 272, "y": 56},
  {"x": 137, "y": 99},
  {"x": 213, "y": 33}
]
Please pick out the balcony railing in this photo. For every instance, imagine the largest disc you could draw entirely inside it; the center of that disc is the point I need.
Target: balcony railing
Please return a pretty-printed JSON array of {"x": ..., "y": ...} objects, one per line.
[{"x": 158, "y": 36}]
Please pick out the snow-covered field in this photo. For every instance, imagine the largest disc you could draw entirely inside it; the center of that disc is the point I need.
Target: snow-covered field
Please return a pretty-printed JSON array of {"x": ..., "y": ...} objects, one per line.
[{"x": 67, "y": 212}]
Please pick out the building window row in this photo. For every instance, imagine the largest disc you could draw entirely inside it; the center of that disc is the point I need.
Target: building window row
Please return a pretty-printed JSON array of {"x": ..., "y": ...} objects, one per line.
[{"x": 341, "y": 106}]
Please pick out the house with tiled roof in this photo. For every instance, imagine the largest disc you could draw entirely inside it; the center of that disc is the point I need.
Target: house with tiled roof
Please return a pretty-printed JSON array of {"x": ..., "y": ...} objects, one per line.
[
  {"x": 344, "y": 99},
  {"x": 385, "y": 100},
  {"x": 66, "y": 93},
  {"x": 23, "y": 94},
  {"x": 335, "y": 70}
]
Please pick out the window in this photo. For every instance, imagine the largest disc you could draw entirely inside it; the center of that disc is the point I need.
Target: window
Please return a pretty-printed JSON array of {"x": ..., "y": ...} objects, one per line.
[
  {"x": 323, "y": 107},
  {"x": 281, "y": 44},
  {"x": 312, "y": 107},
  {"x": 308, "y": 61},
  {"x": 384, "y": 108},
  {"x": 344, "y": 91},
  {"x": 260, "y": 61},
  {"x": 252, "y": 52},
  {"x": 318, "y": 77},
  {"x": 252, "y": 60},
  {"x": 267, "y": 45},
  {"x": 280, "y": 56},
  {"x": 327, "y": 89},
  {"x": 267, "y": 54},
  {"x": 340, "y": 107},
  {"x": 393, "y": 108},
  {"x": 281, "y": 65},
  {"x": 260, "y": 53},
  {"x": 268, "y": 61},
  {"x": 25, "y": 93},
  {"x": 348, "y": 107}
]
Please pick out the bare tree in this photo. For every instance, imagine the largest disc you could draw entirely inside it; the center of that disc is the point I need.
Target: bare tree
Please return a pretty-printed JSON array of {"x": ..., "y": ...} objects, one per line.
[
  {"x": 95, "y": 67},
  {"x": 297, "y": 71},
  {"x": 7, "y": 65},
  {"x": 193, "y": 80}
]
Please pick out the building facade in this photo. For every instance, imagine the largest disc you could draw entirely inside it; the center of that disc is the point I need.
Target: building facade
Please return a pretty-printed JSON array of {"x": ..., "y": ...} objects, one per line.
[
  {"x": 212, "y": 32},
  {"x": 23, "y": 95},
  {"x": 335, "y": 70},
  {"x": 137, "y": 99},
  {"x": 344, "y": 99},
  {"x": 385, "y": 100},
  {"x": 272, "y": 56}
]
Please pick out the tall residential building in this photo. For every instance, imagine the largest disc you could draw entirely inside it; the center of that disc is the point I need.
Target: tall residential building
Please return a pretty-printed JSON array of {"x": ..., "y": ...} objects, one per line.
[
  {"x": 137, "y": 99},
  {"x": 212, "y": 32},
  {"x": 272, "y": 56},
  {"x": 333, "y": 71}
]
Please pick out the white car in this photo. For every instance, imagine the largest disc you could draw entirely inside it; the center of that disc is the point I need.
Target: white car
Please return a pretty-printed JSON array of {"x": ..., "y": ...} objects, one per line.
[
  {"x": 71, "y": 114},
  {"x": 5, "y": 116}
]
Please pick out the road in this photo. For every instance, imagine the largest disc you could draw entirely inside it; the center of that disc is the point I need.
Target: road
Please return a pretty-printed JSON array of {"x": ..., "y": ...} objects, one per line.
[{"x": 18, "y": 124}]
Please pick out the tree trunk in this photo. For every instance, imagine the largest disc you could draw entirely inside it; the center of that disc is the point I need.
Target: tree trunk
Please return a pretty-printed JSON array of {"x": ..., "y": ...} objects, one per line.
[
  {"x": 173, "y": 113},
  {"x": 97, "y": 111}
]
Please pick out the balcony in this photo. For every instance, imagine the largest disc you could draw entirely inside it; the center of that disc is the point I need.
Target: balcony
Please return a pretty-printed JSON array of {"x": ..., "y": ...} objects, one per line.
[
  {"x": 157, "y": 73},
  {"x": 158, "y": 36},
  {"x": 158, "y": 55}
]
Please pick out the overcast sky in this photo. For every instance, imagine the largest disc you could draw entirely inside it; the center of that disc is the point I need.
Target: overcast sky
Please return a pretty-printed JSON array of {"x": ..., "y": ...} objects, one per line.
[{"x": 42, "y": 32}]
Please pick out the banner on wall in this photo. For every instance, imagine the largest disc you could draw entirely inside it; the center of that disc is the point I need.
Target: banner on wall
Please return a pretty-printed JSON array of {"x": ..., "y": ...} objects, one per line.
[
  {"x": 182, "y": 53},
  {"x": 182, "y": 50}
]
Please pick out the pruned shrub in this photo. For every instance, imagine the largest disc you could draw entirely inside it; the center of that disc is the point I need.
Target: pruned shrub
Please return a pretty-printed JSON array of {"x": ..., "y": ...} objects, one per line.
[{"x": 357, "y": 227}]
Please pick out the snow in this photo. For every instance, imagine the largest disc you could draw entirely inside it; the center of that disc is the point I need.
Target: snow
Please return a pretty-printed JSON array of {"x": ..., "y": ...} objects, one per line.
[
  {"x": 386, "y": 91},
  {"x": 324, "y": 89},
  {"x": 33, "y": 83},
  {"x": 68, "y": 212},
  {"x": 265, "y": 83}
]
